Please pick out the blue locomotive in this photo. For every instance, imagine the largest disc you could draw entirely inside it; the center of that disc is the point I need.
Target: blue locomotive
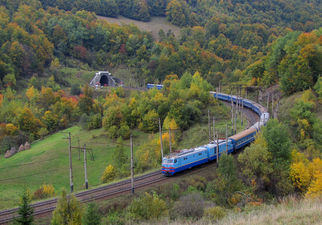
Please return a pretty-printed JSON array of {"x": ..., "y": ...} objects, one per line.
[{"x": 188, "y": 158}]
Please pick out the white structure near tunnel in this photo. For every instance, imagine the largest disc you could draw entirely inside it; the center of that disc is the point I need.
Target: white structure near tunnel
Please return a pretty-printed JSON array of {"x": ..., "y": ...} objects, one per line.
[{"x": 103, "y": 78}]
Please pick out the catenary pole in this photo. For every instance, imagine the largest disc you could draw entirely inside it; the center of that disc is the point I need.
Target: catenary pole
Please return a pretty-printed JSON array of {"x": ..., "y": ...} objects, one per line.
[
  {"x": 217, "y": 147},
  {"x": 85, "y": 167},
  {"x": 161, "y": 137},
  {"x": 132, "y": 173},
  {"x": 209, "y": 134},
  {"x": 170, "y": 140}
]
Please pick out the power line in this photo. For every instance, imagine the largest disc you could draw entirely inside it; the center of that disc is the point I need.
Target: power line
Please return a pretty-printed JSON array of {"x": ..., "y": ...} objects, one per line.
[
  {"x": 13, "y": 178},
  {"x": 26, "y": 164}
]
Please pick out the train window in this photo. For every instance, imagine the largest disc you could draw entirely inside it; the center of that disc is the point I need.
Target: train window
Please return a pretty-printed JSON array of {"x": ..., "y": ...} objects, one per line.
[
  {"x": 200, "y": 154},
  {"x": 193, "y": 155},
  {"x": 175, "y": 161}
]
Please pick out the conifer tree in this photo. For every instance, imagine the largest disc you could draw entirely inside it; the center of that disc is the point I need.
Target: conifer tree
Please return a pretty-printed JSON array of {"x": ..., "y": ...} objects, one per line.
[
  {"x": 92, "y": 216},
  {"x": 25, "y": 210}
]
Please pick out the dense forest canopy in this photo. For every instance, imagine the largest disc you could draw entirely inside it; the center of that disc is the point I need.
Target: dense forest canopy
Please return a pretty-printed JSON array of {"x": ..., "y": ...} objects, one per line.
[
  {"x": 242, "y": 42},
  {"x": 218, "y": 39}
]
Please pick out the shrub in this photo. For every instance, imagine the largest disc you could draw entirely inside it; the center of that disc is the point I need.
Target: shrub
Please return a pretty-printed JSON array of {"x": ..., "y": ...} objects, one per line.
[
  {"x": 91, "y": 216},
  {"x": 112, "y": 132},
  {"x": 191, "y": 205},
  {"x": 95, "y": 122},
  {"x": 147, "y": 207},
  {"x": 43, "y": 132},
  {"x": 75, "y": 90},
  {"x": 44, "y": 191},
  {"x": 215, "y": 213},
  {"x": 124, "y": 132},
  {"x": 108, "y": 174},
  {"x": 63, "y": 213},
  {"x": 38, "y": 194}
]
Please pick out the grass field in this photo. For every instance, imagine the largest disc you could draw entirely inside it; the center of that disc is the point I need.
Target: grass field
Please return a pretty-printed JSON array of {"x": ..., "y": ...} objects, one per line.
[
  {"x": 48, "y": 161},
  {"x": 154, "y": 25}
]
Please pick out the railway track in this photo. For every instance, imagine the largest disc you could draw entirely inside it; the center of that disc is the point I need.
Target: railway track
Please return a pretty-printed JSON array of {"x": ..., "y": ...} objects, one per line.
[
  {"x": 116, "y": 189},
  {"x": 101, "y": 193}
]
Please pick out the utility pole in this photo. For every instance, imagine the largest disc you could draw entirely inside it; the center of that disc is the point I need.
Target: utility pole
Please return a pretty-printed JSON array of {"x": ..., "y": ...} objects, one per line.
[
  {"x": 170, "y": 140},
  {"x": 267, "y": 101},
  {"x": 276, "y": 107},
  {"x": 227, "y": 138},
  {"x": 273, "y": 104},
  {"x": 236, "y": 113},
  {"x": 232, "y": 114},
  {"x": 78, "y": 149},
  {"x": 217, "y": 146},
  {"x": 70, "y": 161},
  {"x": 161, "y": 137},
  {"x": 232, "y": 121},
  {"x": 240, "y": 97},
  {"x": 214, "y": 127},
  {"x": 85, "y": 166},
  {"x": 132, "y": 173},
  {"x": 242, "y": 111},
  {"x": 209, "y": 127}
]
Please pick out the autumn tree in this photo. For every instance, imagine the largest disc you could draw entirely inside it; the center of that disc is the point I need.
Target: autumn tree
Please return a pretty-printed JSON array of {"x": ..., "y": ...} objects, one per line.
[
  {"x": 85, "y": 102},
  {"x": 108, "y": 175},
  {"x": 63, "y": 213},
  {"x": 28, "y": 122}
]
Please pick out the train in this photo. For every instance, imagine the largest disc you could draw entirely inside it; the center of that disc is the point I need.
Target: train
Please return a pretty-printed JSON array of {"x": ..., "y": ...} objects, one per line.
[
  {"x": 185, "y": 159},
  {"x": 158, "y": 86}
]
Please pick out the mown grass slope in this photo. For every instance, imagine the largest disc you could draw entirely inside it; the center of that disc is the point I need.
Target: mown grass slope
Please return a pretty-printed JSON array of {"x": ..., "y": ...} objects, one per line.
[
  {"x": 154, "y": 25},
  {"x": 48, "y": 161}
]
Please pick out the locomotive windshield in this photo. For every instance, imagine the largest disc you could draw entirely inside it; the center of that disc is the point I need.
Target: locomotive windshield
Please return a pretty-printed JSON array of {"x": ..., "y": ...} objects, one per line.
[{"x": 168, "y": 161}]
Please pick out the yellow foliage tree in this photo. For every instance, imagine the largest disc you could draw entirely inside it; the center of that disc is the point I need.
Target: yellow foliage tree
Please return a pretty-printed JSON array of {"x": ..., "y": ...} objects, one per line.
[
  {"x": 108, "y": 174},
  {"x": 48, "y": 190},
  {"x": 299, "y": 171},
  {"x": 169, "y": 124},
  {"x": 315, "y": 167},
  {"x": 300, "y": 175},
  {"x": 32, "y": 94},
  {"x": 315, "y": 189}
]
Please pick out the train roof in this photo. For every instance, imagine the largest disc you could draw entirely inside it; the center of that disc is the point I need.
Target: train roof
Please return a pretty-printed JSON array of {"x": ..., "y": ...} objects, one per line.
[
  {"x": 242, "y": 134},
  {"x": 185, "y": 152},
  {"x": 213, "y": 144}
]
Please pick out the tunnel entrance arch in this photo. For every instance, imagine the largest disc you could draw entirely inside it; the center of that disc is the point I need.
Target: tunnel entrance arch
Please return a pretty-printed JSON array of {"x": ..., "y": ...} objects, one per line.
[{"x": 104, "y": 80}]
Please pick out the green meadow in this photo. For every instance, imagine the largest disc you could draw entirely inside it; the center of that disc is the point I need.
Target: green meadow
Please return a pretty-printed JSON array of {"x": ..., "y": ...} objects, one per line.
[{"x": 48, "y": 161}]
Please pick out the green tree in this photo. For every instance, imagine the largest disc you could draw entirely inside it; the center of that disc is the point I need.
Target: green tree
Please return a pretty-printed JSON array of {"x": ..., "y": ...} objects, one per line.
[
  {"x": 68, "y": 210},
  {"x": 256, "y": 162},
  {"x": 149, "y": 123},
  {"x": 278, "y": 142},
  {"x": 25, "y": 210},
  {"x": 92, "y": 215},
  {"x": 175, "y": 12},
  {"x": 148, "y": 206},
  {"x": 119, "y": 156}
]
